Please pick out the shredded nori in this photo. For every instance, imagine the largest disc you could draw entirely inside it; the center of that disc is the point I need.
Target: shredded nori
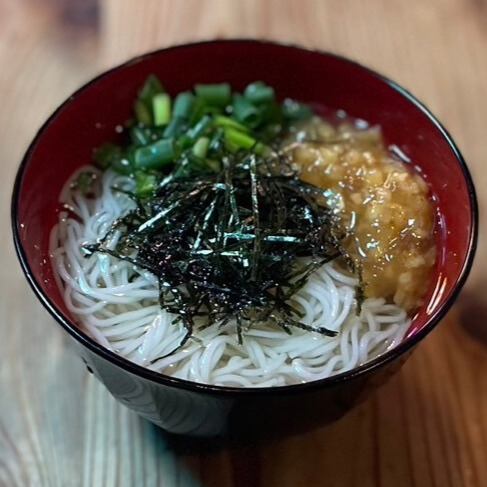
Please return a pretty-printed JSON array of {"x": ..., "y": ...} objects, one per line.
[{"x": 230, "y": 245}]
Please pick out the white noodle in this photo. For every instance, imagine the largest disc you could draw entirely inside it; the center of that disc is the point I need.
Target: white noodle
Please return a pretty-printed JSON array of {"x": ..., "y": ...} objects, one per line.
[{"x": 117, "y": 304}]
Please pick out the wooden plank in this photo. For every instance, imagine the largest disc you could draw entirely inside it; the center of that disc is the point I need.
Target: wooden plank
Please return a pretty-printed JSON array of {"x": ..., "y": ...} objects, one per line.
[{"x": 59, "y": 427}]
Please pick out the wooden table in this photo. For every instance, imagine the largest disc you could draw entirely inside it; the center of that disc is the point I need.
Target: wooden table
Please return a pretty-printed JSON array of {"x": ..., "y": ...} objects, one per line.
[{"x": 59, "y": 427}]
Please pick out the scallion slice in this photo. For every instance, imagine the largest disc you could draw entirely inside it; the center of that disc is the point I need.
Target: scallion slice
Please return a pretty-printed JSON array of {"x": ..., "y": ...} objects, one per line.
[
  {"x": 156, "y": 155},
  {"x": 236, "y": 140},
  {"x": 245, "y": 112},
  {"x": 161, "y": 109},
  {"x": 175, "y": 127},
  {"x": 106, "y": 155},
  {"x": 139, "y": 136},
  {"x": 259, "y": 92},
  {"x": 293, "y": 110},
  {"x": 222, "y": 121},
  {"x": 151, "y": 88},
  {"x": 145, "y": 183},
  {"x": 142, "y": 112},
  {"x": 218, "y": 95},
  {"x": 183, "y": 105},
  {"x": 200, "y": 127},
  {"x": 201, "y": 147}
]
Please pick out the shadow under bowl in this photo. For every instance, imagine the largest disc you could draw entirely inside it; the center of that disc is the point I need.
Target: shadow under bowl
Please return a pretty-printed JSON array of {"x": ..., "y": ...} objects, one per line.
[{"x": 88, "y": 119}]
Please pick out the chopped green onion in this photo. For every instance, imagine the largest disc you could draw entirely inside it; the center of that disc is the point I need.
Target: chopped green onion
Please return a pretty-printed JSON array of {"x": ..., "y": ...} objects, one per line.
[
  {"x": 216, "y": 142},
  {"x": 197, "y": 112},
  {"x": 161, "y": 109},
  {"x": 143, "y": 104},
  {"x": 123, "y": 165},
  {"x": 106, "y": 155},
  {"x": 245, "y": 112},
  {"x": 214, "y": 94},
  {"x": 182, "y": 169},
  {"x": 84, "y": 181},
  {"x": 200, "y": 128},
  {"x": 156, "y": 155},
  {"x": 222, "y": 121},
  {"x": 151, "y": 88},
  {"x": 175, "y": 127},
  {"x": 142, "y": 112},
  {"x": 213, "y": 111},
  {"x": 145, "y": 183},
  {"x": 259, "y": 92},
  {"x": 184, "y": 142},
  {"x": 201, "y": 147},
  {"x": 200, "y": 109},
  {"x": 293, "y": 110},
  {"x": 236, "y": 140},
  {"x": 183, "y": 105},
  {"x": 139, "y": 136},
  {"x": 271, "y": 113}
]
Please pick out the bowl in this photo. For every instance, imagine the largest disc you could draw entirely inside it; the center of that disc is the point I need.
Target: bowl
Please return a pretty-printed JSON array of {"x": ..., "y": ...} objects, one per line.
[{"x": 89, "y": 117}]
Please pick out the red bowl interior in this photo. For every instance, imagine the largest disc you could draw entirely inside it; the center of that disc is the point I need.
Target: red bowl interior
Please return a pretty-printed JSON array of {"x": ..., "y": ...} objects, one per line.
[{"x": 89, "y": 118}]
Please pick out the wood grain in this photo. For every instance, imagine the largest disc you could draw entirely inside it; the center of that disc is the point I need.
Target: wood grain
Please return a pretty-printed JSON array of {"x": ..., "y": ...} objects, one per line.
[{"x": 59, "y": 427}]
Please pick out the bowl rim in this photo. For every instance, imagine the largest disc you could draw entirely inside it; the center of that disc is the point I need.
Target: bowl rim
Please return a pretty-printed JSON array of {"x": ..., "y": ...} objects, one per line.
[{"x": 161, "y": 379}]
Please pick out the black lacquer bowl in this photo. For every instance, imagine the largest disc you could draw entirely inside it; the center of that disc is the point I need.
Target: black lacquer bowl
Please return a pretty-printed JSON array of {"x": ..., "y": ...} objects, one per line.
[{"x": 88, "y": 118}]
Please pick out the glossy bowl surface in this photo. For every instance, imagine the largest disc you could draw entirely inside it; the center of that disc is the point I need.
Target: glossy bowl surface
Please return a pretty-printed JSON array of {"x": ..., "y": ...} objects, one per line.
[{"x": 89, "y": 117}]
